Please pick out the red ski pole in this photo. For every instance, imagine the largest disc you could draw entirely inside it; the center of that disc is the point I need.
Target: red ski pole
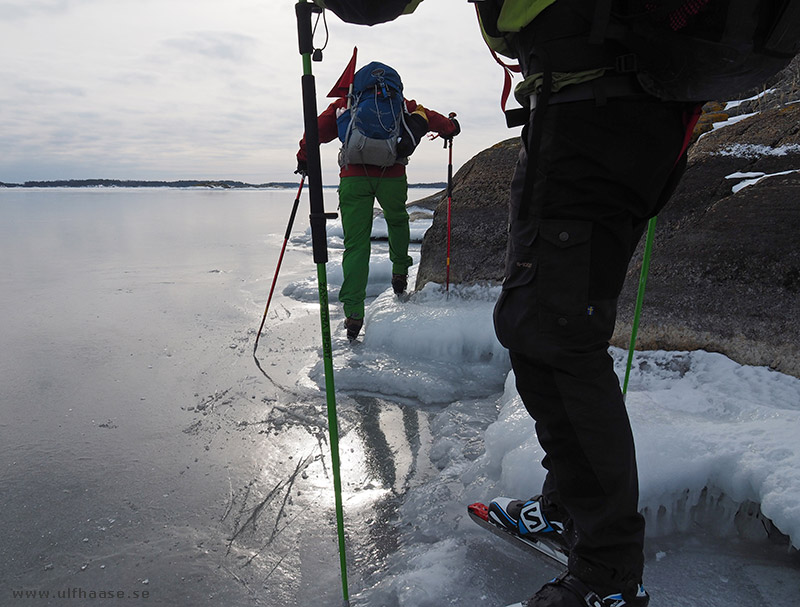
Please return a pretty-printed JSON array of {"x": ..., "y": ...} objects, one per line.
[
  {"x": 449, "y": 145},
  {"x": 280, "y": 258}
]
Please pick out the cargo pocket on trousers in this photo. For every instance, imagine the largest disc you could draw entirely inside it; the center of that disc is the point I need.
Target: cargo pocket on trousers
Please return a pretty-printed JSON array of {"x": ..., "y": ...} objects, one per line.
[
  {"x": 516, "y": 302},
  {"x": 564, "y": 272}
]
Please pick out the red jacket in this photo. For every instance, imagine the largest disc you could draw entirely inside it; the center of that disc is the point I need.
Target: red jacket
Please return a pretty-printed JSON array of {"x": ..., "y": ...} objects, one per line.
[{"x": 328, "y": 132}]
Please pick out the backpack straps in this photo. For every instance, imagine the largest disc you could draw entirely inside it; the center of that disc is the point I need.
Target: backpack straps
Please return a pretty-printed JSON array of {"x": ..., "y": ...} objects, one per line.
[{"x": 536, "y": 129}]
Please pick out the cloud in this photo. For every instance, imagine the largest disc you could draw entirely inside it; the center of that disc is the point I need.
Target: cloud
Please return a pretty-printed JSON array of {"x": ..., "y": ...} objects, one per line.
[
  {"x": 138, "y": 88},
  {"x": 222, "y": 46},
  {"x": 10, "y": 11},
  {"x": 36, "y": 87}
]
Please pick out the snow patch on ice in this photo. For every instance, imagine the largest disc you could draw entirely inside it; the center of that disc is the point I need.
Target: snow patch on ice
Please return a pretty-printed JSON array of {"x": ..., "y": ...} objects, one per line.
[
  {"x": 436, "y": 325},
  {"x": 429, "y": 346}
]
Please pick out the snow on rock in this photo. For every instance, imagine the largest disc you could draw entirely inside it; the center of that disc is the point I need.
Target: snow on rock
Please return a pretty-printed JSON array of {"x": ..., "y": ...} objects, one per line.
[
  {"x": 749, "y": 150},
  {"x": 729, "y": 121},
  {"x": 753, "y": 178}
]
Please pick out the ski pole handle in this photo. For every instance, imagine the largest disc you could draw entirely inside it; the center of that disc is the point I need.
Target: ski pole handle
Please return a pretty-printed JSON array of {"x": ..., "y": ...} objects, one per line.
[{"x": 451, "y": 115}]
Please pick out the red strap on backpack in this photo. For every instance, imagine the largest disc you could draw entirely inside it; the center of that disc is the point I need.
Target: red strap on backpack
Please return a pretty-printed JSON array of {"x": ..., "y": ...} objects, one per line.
[
  {"x": 679, "y": 18},
  {"x": 508, "y": 68}
]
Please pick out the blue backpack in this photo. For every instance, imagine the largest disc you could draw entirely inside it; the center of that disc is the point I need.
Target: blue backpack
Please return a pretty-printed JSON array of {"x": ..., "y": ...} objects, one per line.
[{"x": 370, "y": 129}]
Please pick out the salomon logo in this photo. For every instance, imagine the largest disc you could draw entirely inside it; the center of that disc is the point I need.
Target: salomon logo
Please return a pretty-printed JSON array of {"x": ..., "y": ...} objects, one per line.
[{"x": 533, "y": 519}]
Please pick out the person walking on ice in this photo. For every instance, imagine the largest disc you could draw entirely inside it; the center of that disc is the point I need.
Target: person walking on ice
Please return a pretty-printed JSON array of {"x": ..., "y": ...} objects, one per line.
[{"x": 378, "y": 129}]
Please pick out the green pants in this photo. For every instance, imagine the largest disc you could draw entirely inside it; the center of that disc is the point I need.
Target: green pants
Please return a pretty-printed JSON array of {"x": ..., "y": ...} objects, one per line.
[{"x": 356, "y": 199}]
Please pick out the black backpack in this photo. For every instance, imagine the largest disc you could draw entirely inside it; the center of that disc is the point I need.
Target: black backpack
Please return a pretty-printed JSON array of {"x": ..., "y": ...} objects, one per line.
[
  {"x": 368, "y": 12},
  {"x": 680, "y": 50},
  {"x": 699, "y": 50}
]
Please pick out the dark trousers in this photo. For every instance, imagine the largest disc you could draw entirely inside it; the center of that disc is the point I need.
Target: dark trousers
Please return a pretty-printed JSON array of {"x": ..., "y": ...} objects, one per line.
[{"x": 601, "y": 171}]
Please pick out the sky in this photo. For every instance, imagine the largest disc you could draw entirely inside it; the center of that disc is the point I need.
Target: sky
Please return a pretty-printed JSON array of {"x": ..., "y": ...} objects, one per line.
[{"x": 205, "y": 89}]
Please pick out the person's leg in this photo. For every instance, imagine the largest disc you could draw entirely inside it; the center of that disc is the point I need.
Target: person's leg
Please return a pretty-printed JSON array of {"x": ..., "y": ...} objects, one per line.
[
  {"x": 356, "y": 199},
  {"x": 591, "y": 465},
  {"x": 600, "y": 172},
  {"x": 392, "y": 194}
]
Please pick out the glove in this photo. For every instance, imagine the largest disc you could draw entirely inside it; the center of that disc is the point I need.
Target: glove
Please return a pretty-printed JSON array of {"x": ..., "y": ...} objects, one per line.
[
  {"x": 458, "y": 128},
  {"x": 449, "y": 137},
  {"x": 302, "y": 167}
]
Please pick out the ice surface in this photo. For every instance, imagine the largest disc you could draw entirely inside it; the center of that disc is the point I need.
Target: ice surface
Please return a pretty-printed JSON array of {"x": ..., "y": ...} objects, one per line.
[{"x": 162, "y": 437}]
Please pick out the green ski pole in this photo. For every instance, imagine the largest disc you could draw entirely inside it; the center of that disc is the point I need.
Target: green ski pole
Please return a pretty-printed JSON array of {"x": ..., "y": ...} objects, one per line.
[
  {"x": 648, "y": 246},
  {"x": 318, "y": 217}
]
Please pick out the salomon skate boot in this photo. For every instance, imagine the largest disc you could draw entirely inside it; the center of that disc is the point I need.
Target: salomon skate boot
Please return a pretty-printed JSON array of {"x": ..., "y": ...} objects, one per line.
[{"x": 531, "y": 519}]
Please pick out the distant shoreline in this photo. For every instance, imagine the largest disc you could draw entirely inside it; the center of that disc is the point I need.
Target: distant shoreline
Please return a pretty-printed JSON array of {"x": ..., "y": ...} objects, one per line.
[{"x": 184, "y": 183}]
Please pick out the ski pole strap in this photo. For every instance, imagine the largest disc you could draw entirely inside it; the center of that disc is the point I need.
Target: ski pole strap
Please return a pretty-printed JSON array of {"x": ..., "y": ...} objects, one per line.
[
  {"x": 305, "y": 35},
  {"x": 294, "y": 208},
  {"x": 648, "y": 247}
]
